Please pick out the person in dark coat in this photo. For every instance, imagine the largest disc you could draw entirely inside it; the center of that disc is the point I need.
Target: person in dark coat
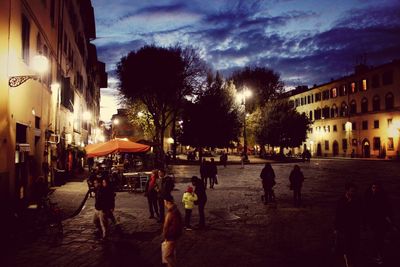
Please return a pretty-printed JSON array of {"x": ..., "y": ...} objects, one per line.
[
  {"x": 100, "y": 211},
  {"x": 296, "y": 179},
  {"x": 212, "y": 173},
  {"x": 347, "y": 224},
  {"x": 204, "y": 171},
  {"x": 268, "y": 181},
  {"x": 200, "y": 191},
  {"x": 378, "y": 216},
  {"x": 109, "y": 203},
  {"x": 164, "y": 187}
]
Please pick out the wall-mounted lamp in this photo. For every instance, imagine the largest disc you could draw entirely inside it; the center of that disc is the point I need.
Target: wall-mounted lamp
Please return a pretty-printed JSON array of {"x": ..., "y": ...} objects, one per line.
[{"x": 40, "y": 65}]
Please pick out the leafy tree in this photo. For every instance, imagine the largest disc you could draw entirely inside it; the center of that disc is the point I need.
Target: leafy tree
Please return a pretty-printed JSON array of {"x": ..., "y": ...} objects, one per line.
[
  {"x": 160, "y": 78},
  {"x": 264, "y": 83},
  {"x": 212, "y": 120},
  {"x": 281, "y": 125}
]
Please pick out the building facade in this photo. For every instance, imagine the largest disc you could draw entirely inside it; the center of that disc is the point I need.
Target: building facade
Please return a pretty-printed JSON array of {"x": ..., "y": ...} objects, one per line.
[
  {"x": 46, "y": 117},
  {"x": 355, "y": 116}
]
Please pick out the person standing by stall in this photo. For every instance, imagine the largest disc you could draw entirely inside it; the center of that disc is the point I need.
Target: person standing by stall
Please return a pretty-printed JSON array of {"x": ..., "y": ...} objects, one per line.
[{"x": 151, "y": 194}]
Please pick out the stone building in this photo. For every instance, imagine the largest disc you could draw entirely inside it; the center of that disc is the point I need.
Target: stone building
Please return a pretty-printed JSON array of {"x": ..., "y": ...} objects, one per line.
[
  {"x": 50, "y": 80},
  {"x": 357, "y": 115}
]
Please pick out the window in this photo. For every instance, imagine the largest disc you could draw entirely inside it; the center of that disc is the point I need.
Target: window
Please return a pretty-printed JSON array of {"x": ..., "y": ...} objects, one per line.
[
  {"x": 353, "y": 87},
  {"x": 353, "y": 107},
  {"x": 310, "y": 115},
  {"x": 365, "y": 125},
  {"x": 364, "y": 84},
  {"x": 389, "y": 121},
  {"x": 342, "y": 90},
  {"x": 317, "y": 97},
  {"x": 344, "y": 144},
  {"x": 375, "y": 81},
  {"x": 390, "y": 144},
  {"x": 364, "y": 105},
  {"x": 326, "y": 112},
  {"x": 376, "y": 124},
  {"x": 326, "y": 144},
  {"x": 334, "y": 92},
  {"x": 325, "y": 95},
  {"x": 343, "y": 127},
  {"x": 376, "y": 103},
  {"x": 312, "y": 98},
  {"x": 26, "y": 29},
  {"x": 343, "y": 109},
  {"x": 52, "y": 11},
  {"x": 301, "y": 101},
  {"x": 317, "y": 114},
  {"x": 354, "y": 142},
  {"x": 387, "y": 77},
  {"x": 37, "y": 122},
  {"x": 353, "y": 126},
  {"x": 377, "y": 143},
  {"x": 334, "y": 111},
  {"x": 389, "y": 101},
  {"x": 308, "y": 99},
  {"x": 335, "y": 128}
]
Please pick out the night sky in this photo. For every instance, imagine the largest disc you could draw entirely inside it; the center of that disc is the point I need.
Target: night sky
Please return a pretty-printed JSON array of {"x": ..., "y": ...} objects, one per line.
[{"x": 307, "y": 42}]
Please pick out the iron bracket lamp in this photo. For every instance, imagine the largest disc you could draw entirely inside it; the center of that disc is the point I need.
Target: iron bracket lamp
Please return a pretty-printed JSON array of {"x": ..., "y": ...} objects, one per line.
[{"x": 16, "y": 81}]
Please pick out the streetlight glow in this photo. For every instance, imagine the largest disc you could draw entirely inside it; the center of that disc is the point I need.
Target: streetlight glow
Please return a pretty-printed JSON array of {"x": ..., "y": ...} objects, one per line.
[
  {"x": 40, "y": 64},
  {"x": 116, "y": 121}
]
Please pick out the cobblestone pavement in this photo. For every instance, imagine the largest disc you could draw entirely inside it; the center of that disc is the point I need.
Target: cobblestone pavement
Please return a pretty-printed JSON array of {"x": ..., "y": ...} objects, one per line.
[{"x": 240, "y": 231}]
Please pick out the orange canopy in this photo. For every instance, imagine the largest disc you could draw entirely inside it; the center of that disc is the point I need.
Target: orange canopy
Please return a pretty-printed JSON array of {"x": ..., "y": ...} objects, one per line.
[{"x": 113, "y": 146}]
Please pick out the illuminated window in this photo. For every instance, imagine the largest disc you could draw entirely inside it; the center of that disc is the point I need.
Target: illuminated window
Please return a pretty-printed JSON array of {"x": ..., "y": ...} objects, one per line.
[
  {"x": 353, "y": 87},
  {"x": 390, "y": 144},
  {"x": 364, "y": 85},
  {"x": 334, "y": 92}
]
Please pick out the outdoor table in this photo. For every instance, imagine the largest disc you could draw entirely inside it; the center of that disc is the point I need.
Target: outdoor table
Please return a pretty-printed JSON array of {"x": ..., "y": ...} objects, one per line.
[{"x": 136, "y": 180}]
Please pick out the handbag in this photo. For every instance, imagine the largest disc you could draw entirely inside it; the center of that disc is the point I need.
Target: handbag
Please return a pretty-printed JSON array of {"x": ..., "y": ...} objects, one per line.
[{"x": 164, "y": 252}]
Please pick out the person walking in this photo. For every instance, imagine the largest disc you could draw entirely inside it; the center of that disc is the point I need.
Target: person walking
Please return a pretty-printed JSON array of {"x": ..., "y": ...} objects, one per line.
[
  {"x": 151, "y": 193},
  {"x": 296, "y": 179},
  {"x": 165, "y": 185},
  {"x": 378, "y": 216},
  {"x": 100, "y": 217},
  {"x": 109, "y": 197},
  {"x": 347, "y": 225},
  {"x": 188, "y": 200},
  {"x": 172, "y": 230},
  {"x": 267, "y": 176},
  {"x": 204, "y": 172},
  {"x": 200, "y": 191},
  {"x": 242, "y": 159},
  {"x": 212, "y": 173}
]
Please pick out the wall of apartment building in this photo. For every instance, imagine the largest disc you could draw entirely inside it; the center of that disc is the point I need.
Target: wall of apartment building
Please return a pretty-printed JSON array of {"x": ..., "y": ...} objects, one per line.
[
  {"x": 374, "y": 131},
  {"x": 32, "y": 113}
]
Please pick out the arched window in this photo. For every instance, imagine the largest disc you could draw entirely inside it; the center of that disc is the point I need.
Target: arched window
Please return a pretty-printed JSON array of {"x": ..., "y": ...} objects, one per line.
[
  {"x": 376, "y": 103},
  {"x": 326, "y": 112},
  {"x": 364, "y": 105},
  {"x": 317, "y": 114},
  {"x": 334, "y": 111},
  {"x": 389, "y": 101},
  {"x": 353, "y": 107},
  {"x": 310, "y": 116},
  {"x": 343, "y": 109}
]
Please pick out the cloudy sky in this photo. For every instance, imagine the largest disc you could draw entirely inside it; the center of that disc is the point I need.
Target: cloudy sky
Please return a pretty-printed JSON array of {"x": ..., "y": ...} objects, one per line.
[{"x": 306, "y": 41}]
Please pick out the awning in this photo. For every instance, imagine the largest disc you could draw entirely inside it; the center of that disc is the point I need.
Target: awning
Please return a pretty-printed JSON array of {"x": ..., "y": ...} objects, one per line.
[{"x": 114, "y": 146}]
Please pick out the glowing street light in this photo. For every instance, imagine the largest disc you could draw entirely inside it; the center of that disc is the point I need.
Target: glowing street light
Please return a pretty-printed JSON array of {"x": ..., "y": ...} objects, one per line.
[
  {"x": 241, "y": 98},
  {"x": 116, "y": 121},
  {"x": 39, "y": 64}
]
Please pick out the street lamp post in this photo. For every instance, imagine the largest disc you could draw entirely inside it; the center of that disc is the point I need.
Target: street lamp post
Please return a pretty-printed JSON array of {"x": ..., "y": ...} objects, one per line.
[{"x": 246, "y": 93}]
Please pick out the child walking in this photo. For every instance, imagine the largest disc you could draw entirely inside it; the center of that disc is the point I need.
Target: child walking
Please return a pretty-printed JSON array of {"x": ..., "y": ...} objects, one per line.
[{"x": 188, "y": 199}]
